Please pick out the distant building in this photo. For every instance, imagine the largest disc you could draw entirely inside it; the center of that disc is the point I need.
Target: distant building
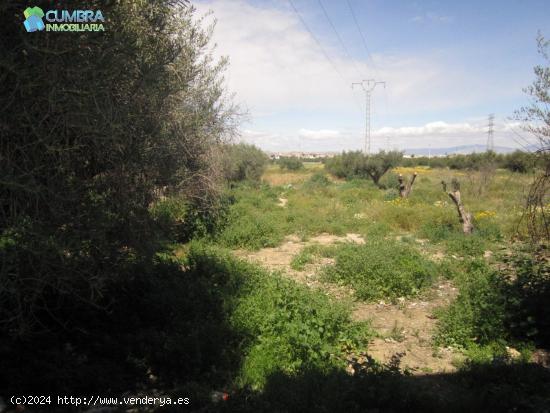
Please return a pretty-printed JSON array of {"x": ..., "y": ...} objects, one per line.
[{"x": 303, "y": 155}]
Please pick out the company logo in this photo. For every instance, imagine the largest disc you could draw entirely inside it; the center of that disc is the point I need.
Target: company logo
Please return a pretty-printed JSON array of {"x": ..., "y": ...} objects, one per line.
[
  {"x": 64, "y": 20},
  {"x": 33, "y": 19}
]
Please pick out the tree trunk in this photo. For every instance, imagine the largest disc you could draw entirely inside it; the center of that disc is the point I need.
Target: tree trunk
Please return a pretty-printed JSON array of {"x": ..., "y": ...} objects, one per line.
[
  {"x": 405, "y": 189},
  {"x": 464, "y": 217}
]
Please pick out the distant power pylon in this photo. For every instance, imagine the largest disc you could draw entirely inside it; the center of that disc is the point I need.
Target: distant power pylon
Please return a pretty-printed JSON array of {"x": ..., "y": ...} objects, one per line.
[
  {"x": 490, "y": 139},
  {"x": 368, "y": 86}
]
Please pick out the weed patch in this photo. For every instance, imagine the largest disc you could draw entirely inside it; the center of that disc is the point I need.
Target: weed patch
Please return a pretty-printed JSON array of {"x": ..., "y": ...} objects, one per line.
[
  {"x": 309, "y": 253},
  {"x": 381, "y": 269},
  {"x": 285, "y": 327}
]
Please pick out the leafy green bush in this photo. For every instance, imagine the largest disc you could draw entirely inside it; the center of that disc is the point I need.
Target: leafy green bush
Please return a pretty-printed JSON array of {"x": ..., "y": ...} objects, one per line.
[
  {"x": 477, "y": 316},
  {"x": 381, "y": 269},
  {"x": 181, "y": 220},
  {"x": 242, "y": 162},
  {"x": 287, "y": 327},
  {"x": 291, "y": 163},
  {"x": 391, "y": 194},
  {"x": 527, "y": 295},
  {"x": 316, "y": 181},
  {"x": 493, "y": 309},
  {"x": 252, "y": 231},
  {"x": 149, "y": 115},
  {"x": 519, "y": 161},
  {"x": 390, "y": 180},
  {"x": 253, "y": 221}
]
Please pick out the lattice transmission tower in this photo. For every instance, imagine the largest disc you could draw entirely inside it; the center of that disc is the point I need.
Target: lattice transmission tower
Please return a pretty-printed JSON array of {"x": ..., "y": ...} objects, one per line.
[
  {"x": 368, "y": 86},
  {"x": 490, "y": 138}
]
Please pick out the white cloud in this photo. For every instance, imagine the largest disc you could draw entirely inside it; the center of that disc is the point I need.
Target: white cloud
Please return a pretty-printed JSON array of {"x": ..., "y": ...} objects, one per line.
[
  {"x": 322, "y": 134},
  {"x": 296, "y": 98},
  {"x": 431, "y": 17},
  {"x": 436, "y": 134},
  {"x": 432, "y": 128},
  {"x": 441, "y": 134},
  {"x": 275, "y": 65}
]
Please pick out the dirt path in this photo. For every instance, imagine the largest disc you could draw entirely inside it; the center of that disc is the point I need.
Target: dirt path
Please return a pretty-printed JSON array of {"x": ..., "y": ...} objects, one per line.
[
  {"x": 404, "y": 328},
  {"x": 279, "y": 259}
]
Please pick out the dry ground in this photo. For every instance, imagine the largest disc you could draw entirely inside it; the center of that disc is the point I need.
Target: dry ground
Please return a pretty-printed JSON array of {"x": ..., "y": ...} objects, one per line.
[{"x": 404, "y": 328}]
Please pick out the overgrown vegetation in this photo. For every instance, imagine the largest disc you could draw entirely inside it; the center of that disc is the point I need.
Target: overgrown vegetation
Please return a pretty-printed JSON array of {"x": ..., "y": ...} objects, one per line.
[
  {"x": 517, "y": 161},
  {"x": 123, "y": 203},
  {"x": 494, "y": 310},
  {"x": 243, "y": 162},
  {"x": 351, "y": 165},
  {"x": 90, "y": 140},
  {"x": 290, "y": 163},
  {"x": 285, "y": 327},
  {"x": 381, "y": 269}
]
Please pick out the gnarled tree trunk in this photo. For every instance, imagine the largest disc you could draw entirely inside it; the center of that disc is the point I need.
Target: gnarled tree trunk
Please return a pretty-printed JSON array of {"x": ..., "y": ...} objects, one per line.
[
  {"x": 464, "y": 216},
  {"x": 405, "y": 189}
]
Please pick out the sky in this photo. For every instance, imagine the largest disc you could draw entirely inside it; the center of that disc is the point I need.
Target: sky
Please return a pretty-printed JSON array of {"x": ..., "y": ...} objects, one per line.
[{"x": 446, "y": 65}]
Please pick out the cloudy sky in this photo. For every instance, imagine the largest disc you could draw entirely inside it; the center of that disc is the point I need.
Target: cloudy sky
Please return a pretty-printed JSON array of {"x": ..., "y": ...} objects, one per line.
[{"x": 446, "y": 64}]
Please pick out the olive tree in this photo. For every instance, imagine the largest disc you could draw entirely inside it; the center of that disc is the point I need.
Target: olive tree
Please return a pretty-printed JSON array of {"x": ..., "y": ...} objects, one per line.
[{"x": 92, "y": 123}]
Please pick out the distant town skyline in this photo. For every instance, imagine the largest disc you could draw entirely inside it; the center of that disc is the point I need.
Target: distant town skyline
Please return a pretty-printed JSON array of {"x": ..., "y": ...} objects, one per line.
[{"x": 447, "y": 66}]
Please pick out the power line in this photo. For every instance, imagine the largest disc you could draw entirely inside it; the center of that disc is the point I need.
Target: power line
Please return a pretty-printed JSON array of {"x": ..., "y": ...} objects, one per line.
[
  {"x": 348, "y": 54},
  {"x": 321, "y": 48},
  {"x": 526, "y": 148},
  {"x": 362, "y": 36}
]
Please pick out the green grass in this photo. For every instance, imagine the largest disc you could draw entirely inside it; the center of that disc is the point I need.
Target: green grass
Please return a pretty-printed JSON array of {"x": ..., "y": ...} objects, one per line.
[
  {"x": 381, "y": 269},
  {"x": 254, "y": 221},
  {"x": 309, "y": 254},
  {"x": 477, "y": 315},
  {"x": 386, "y": 269},
  {"x": 495, "y": 309},
  {"x": 285, "y": 326},
  {"x": 289, "y": 340},
  {"x": 316, "y": 205}
]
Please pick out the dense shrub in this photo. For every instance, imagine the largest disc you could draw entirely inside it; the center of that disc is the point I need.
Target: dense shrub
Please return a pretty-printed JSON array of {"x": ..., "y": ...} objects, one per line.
[
  {"x": 317, "y": 181},
  {"x": 253, "y": 221},
  {"x": 499, "y": 307},
  {"x": 234, "y": 324},
  {"x": 389, "y": 180},
  {"x": 351, "y": 165},
  {"x": 517, "y": 161},
  {"x": 243, "y": 162},
  {"x": 381, "y": 269},
  {"x": 122, "y": 114},
  {"x": 527, "y": 295},
  {"x": 478, "y": 313},
  {"x": 180, "y": 220},
  {"x": 344, "y": 166},
  {"x": 290, "y": 163},
  {"x": 286, "y": 326}
]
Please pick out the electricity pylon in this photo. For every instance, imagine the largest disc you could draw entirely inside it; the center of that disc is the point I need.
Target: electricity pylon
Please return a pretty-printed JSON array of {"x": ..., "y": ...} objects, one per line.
[
  {"x": 490, "y": 139},
  {"x": 368, "y": 86}
]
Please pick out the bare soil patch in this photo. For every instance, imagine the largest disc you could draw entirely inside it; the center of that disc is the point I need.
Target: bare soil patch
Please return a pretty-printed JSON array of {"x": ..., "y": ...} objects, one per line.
[
  {"x": 407, "y": 327},
  {"x": 404, "y": 328}
]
